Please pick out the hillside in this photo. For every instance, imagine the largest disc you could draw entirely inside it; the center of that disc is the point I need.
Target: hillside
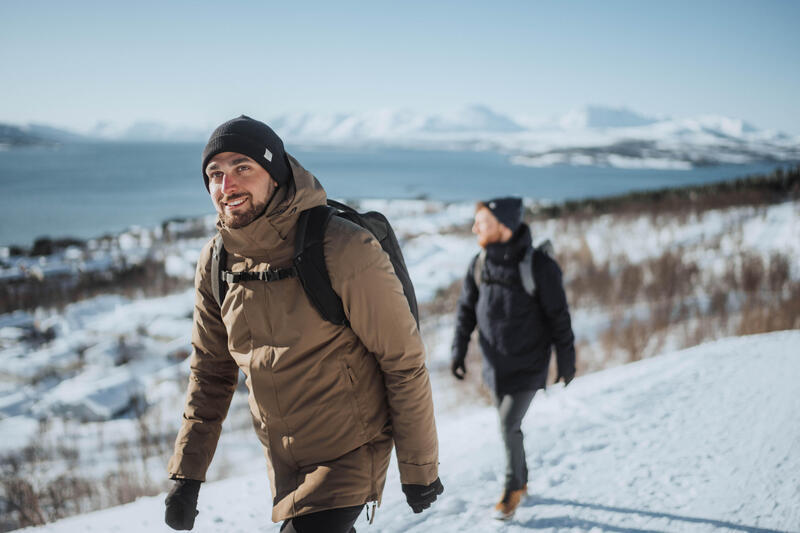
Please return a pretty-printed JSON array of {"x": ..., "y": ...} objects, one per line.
[
  {"x": 679, "y": 442},
  {"x": 93, "y": 373},
  {"x": 16, "y": 136}
]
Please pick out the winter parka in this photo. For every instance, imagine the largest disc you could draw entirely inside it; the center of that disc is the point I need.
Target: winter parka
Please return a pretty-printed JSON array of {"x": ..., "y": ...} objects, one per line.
[
  {"x": 516, "y": 331},
  {"x": 327, "y": 401}
]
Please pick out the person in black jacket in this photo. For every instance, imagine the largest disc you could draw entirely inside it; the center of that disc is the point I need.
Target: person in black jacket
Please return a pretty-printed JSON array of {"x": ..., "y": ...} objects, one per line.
[{"x": 516, "y": 331}]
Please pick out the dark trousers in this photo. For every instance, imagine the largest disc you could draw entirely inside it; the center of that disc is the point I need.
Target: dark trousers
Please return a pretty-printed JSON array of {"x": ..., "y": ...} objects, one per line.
[
  {"x": 512, "y": 409},
  {"x": 329, "y": 521}
]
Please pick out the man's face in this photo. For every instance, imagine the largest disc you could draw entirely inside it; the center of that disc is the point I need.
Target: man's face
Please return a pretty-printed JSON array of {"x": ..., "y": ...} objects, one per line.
[
  {"x": 488, "y": 228},
  {"x": 240, "y": 188}
]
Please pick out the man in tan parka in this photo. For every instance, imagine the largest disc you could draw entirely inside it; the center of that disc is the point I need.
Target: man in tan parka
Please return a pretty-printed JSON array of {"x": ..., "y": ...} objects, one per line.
[{"x": 328, "y": 402}]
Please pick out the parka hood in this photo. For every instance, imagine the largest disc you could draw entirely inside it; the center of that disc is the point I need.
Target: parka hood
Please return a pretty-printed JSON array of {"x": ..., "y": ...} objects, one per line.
[{"x": 270, "y": 237}]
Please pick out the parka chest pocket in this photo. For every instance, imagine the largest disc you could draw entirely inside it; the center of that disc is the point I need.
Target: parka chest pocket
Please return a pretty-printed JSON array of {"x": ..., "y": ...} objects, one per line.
[{"x": 350, "y": 378}]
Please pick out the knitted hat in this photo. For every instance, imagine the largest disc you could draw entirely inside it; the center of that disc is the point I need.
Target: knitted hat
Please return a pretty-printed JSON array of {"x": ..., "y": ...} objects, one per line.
[
  {"x": 254, "y": 139},
  {"x": 507, "y": 210}
]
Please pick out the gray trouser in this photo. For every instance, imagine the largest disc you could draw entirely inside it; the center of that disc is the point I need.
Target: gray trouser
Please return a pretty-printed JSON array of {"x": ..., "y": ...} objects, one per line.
[{"x": 512, "y": 409}]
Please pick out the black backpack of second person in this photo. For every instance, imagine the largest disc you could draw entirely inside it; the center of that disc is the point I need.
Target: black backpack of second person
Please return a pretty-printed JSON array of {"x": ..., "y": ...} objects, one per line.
[{"x": 309, "y": 260}]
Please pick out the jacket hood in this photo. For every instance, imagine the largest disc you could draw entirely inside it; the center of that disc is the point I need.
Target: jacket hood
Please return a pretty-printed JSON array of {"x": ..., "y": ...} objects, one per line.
[
  {"x": 270, "y": 237},
  {"x": 512, "y": 250}
]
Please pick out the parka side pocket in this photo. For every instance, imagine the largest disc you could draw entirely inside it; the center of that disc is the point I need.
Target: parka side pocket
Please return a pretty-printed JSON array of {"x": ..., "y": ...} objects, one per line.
[{"x": 350, "y": 378}]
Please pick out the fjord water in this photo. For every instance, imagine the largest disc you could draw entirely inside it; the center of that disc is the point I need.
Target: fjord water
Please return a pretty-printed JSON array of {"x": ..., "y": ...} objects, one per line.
[{"x": 86, "y": 190}]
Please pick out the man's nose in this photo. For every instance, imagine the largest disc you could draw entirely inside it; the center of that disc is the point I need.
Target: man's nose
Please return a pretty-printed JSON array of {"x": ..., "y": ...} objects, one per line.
[{"x": 229, "y": 184}]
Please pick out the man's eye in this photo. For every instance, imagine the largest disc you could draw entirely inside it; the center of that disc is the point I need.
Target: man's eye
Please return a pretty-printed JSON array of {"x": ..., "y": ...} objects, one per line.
[
  {"x": 243, "y": 168},
  {"x": 216, "y": 175}
]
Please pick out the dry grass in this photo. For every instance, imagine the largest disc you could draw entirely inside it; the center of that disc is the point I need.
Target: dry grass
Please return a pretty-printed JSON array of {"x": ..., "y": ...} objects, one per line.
[
  {"x": 33, "y": 491},
  {"x": 149, "y": 279},
  {"x": 760, "y": 190}
]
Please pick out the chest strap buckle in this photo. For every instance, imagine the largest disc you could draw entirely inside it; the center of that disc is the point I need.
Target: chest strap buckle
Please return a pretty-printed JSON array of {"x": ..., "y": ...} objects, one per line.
[{"x": 276, "y": 274}]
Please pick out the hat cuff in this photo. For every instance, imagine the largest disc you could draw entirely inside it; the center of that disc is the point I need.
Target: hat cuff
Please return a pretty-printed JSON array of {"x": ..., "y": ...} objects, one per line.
[{"x": 232, "y": 142}]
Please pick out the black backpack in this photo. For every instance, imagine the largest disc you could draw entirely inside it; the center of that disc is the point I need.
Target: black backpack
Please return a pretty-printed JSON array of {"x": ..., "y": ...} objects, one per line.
[
  {"x": 309, "y": 260},
  {"x": 525, "y": 266}
]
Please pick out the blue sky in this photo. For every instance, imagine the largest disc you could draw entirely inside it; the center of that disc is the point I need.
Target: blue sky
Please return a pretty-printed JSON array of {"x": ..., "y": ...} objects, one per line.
[{"x": 198, "y": 63}]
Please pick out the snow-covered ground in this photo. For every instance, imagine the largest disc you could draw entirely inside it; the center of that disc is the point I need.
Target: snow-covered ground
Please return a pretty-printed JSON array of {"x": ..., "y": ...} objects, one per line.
[
  {"x": 108, "y": 358},
  {"x": 114, "y": 347},
  {"x": 705, "y": 439}
]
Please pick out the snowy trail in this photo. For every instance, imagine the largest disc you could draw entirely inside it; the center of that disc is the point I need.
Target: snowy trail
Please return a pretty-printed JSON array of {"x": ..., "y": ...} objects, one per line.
[{"x": 706, "y": 439}]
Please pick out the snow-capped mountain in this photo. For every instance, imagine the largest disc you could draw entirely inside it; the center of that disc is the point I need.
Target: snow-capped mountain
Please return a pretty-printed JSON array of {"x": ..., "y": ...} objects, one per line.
[
  {"x": 146, "y": 131},
  {"x": 388, "y": 125},
  {"x": 593, "y": 135},
  {"x": 596, "y": 117}
]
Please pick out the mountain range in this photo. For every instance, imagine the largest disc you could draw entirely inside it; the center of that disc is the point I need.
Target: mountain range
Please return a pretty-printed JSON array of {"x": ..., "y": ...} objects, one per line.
[{"x": 592, "y": 135}]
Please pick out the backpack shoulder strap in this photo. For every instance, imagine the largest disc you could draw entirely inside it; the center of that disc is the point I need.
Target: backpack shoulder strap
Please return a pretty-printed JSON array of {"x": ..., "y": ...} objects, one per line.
[
  {"x": 526, "y": 272},
  {"x": 309, "y": 260},
  {"x": 526, "y": 265},
  {"x": 219, "y": 256},
  {"x": 477, "y": 268}
]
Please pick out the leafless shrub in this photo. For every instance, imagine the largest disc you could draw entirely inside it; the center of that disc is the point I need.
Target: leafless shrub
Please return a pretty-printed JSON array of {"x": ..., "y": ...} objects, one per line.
[
  {"x": 699, "y": 331},
  {"x": 443, "y": 302},
  {"x": 718, "y": 307},
  {"x": 671, "y": 276},
  {"x": 780, "y": 185},
  {"x": 633, "y": 338},
  {"x": 123, "y": 486},
  {"x": 752, "y": 273},
  {"x": 630, "y": 283},
  {"x": 67, "y": 495},
  {"x": 608, "y": 338},
  {"x": 147, "y": 279},
  {"x": 29, "y": 497},
  {"x": 778, "y": 275},
  {"x": 127, "y": 483},
  {"x": 776, "y": 315},
  {"x": 22, "y": 501},
  {"x": 591, "y": 284},
  {"x": 719, "y": 302}
]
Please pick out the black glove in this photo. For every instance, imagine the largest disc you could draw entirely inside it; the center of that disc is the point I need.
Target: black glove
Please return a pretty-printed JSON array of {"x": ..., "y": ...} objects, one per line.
[
  {"x": 566, "y": 379},
  {"x": 458, "y": 368},
  {"x": 420, "y": 497},
  {"x": 182, "y": 504}
]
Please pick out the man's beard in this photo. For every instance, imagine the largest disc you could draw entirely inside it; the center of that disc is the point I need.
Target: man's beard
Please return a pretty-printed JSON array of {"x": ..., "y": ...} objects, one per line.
[
  {"x": 486, "y": 240},
  {"x": 240, "y": 219}
]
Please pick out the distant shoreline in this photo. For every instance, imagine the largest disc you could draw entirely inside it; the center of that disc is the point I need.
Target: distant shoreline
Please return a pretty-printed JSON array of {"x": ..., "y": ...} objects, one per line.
[{"x": 779, "y": 181}]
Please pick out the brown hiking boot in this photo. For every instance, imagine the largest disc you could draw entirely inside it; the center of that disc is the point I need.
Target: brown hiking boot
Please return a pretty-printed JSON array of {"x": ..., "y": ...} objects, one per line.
[{"x": 508, "y": 504}]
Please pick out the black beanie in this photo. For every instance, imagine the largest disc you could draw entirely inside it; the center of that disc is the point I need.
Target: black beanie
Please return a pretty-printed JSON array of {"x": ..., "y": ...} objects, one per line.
[
  {"x": 507, "y": 210},
  {"x": 254, "y": 139}
]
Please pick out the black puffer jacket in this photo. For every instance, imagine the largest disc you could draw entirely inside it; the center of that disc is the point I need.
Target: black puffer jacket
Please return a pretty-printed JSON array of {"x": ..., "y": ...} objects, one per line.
[{"x": 516, "y": 331}]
